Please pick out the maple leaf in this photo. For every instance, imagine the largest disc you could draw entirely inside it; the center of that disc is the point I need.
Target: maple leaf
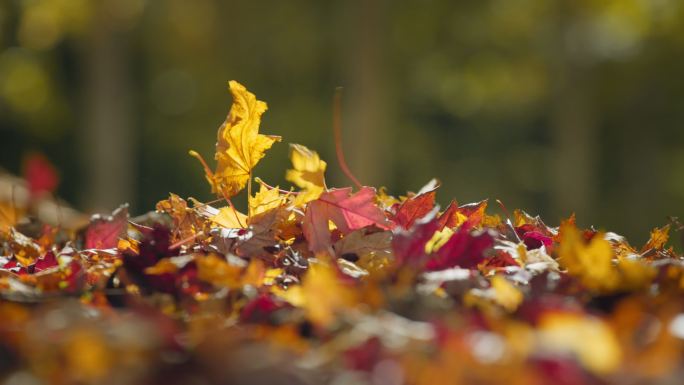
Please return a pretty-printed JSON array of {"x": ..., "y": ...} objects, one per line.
[
  {"x": 450, "y": 218},
  {"x": 47, "y": 261},
  {"x": 239, "y": 145},
  {"x": 409, "y": 245},
  {"x": 24, "y": 249},
  {"x": 502, "y": 292},
  {"x": 104, "y": 231},
  {"x": 591, "y": 261},
  {"x": 40, "y": 174},
  {"x": 417, "y": 206},
  {"x": 658, "y": 239},
  {"x": 308, "y": 173},
  {"x": 362, "y": 242},
  {"x": 322, "y": 295},
  {"x": 230, "y": 218},
  {"x": 346, "y": 210},
  {"x": 589, "y": 339},
  {"x": 262, "y": 233},
  {"x": 185, "y": 220},
  {"x": 215, "y": 270},
  {"x": 265, "y": 200},
  {"x": 506, "y": 294},
  {"x": 463, "y": 249}
]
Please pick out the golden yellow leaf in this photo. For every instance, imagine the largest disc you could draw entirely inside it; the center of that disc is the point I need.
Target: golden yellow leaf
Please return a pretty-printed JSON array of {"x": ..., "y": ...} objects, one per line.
[
  {"x": 308, "y": 173},
  {"x": 230, "y": 218},
  {"x": 592, "y": 262},
  {"x": 217, "y": 271},
  {"x": 658, "y": 239},
  {"x": 439, "y": 238},
  {"x": 164, "y": 266},
  {"x": 385, "y": 200},
  {"x": 589, "y": 339},
  {"x": 266, "y": 199},
  {"x": 254, "y": 273},
  {"x": 506, "y": 294},
  {"x": 308, "y": 170},
  {"x": 9, "y": 215},
  {"x": 635, "y": 274},
  {"x": 87, "y": 354},
  {"x": 321, "y": 295},
  {"x": 239, "y": 145}
]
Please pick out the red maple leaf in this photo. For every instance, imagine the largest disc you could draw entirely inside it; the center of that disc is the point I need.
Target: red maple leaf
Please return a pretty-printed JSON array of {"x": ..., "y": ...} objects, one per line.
[
  {"x": 40, "y": 174},
  {"x": 104, "y": 231},
  {"x": 347, "y": 211},
  {"x": 417, "y": 206}
]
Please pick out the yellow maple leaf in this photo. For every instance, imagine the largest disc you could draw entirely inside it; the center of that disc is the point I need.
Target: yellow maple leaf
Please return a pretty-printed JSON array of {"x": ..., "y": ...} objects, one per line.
[
  {"x": 321, "y": 295},
  {"x": 506, "y": 294},
  {"x": 215, "y": 270},
  {"x": 266, "y": 199},
  {"x": 386, "y": 201},
  {"x": 230, "y": 218},
  {"x": 439, "y": 238},
  {"x": 658, "y": 239},
  {"x": 308, "y": 173},
  {"x": 592, "y": 262},
  {"x": 589, "y": 339},
  {"x": 239, "y": 145}
]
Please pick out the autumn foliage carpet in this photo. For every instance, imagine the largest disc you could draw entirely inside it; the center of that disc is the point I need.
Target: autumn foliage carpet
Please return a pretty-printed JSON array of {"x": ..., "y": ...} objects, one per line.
[{"x": 321, "y": 285}]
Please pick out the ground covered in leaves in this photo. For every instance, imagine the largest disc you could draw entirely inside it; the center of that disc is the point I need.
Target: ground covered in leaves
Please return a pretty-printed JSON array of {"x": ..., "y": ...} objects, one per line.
[{"x": 320, "y": 285}]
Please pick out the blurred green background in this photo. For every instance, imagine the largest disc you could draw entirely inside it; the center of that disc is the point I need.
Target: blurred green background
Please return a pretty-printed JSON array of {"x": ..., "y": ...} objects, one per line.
[{"x": 552, "y": 106}]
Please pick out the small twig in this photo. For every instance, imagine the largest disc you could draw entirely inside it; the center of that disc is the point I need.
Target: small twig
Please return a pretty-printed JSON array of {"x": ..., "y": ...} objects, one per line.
[
  {"x": 268, "y": 186},
  {"x": 503, "y": 207},
  {"x": 209, "y": 203},
  {"x": 199, "y": 157},
  {"x": 249, "y": 196},
  {"x": 186, "y": 240},
  {"x": 337, "y": 130}
]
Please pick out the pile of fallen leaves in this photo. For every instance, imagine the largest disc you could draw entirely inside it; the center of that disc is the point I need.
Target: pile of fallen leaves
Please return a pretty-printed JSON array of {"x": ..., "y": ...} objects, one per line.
[{"x": 331, "y": 285}]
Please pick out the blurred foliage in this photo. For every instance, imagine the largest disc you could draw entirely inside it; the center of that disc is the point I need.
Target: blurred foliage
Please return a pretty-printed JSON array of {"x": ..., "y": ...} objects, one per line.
[{"x": 552, "y": 106}]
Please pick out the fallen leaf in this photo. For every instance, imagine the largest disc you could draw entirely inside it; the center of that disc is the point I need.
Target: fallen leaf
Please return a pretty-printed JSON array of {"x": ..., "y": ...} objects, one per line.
[
  {"x": 417, "y": 206},
  {"x": 308, "y": 173},
  {"x": 265, "y": 200},
  {"x": 239, "y": 146},
  {"x": 591, "y": 262},
  {"x": 185, "y": 221},
  {"x": 589, "y": 339},
  {"x": 40, "y": 174},
  {"x": 463, "y": 249},
  {"x": 347, "y": 211},
  {"x": 230, "y": 218},
  {"x": 361, "y": 242},
  {"x": 104, "y": 232},
  {"x": 506, "y": 294},
  {"x": 658, "y": 239}
]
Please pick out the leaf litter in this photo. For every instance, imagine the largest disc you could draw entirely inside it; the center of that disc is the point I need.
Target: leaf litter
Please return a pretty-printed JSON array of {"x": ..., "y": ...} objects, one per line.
[{"x": 331, "y": 285}]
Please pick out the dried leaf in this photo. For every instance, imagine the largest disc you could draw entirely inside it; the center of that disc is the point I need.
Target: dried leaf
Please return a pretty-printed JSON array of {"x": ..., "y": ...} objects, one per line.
[
  {"x": 308, "y": 173},
  {"x": 347, "y": 211},
  {"x": 104, "y": 232},
  {"x": 239, "y": 146}
]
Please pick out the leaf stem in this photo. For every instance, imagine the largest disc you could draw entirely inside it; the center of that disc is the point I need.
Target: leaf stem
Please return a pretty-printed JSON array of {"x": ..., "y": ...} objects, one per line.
[
  {"x": 249, "y": 195},
  {"x": 199, "y": 157},
  {"x": 210, "y": 174},
  {"x": 186, "y": 240},
  {"x": 268, "y": 186},
  {"x": 337, "y": 131}
]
